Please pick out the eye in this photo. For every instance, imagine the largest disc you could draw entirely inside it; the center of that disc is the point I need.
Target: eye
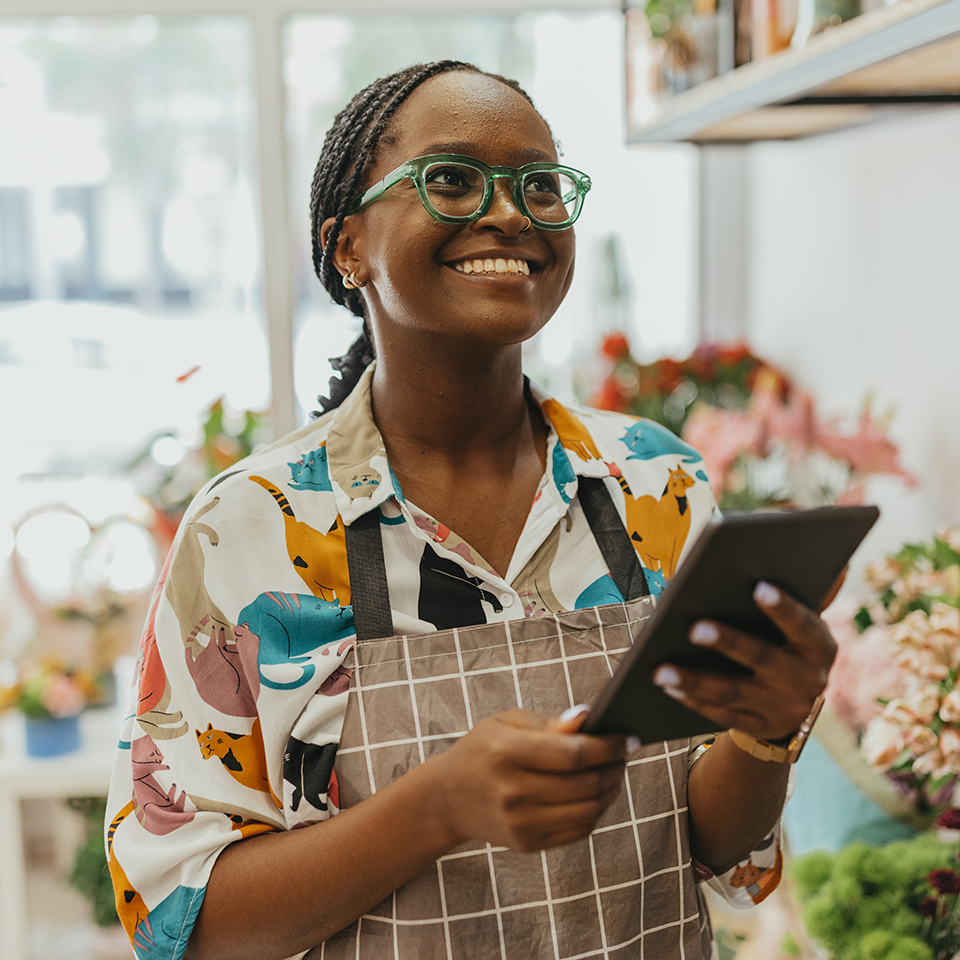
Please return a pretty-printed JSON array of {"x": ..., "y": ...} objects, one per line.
[
  {"x": 452, "y": 180},
  {"x": 544, "y": 184}
]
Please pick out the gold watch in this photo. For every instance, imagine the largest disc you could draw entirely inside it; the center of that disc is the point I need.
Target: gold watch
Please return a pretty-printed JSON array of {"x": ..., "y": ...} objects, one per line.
[{"x": 779, "y": 752}]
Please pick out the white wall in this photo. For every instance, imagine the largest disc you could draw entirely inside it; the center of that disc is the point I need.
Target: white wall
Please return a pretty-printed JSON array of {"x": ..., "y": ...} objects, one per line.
[{"x": 853, "y": 285}]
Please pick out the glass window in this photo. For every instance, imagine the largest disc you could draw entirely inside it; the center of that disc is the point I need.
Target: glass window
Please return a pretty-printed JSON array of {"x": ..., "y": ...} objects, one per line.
[
  {"x": 635, "y": 239},
  {"x": 130, "y": 270}
]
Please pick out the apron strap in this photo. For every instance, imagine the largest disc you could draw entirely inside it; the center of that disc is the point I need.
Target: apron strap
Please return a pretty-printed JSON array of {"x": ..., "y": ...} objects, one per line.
[
  {"x": 369, "y": 593},
  {"x": 612, "y": 538}
]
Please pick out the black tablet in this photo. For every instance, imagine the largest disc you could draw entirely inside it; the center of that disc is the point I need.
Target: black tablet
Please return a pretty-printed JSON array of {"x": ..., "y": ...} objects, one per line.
[{"x": 801, "y": 551}]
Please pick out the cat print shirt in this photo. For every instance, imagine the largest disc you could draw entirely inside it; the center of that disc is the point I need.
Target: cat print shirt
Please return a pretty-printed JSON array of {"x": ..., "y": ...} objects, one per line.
[{"x": 241, "y": 684}]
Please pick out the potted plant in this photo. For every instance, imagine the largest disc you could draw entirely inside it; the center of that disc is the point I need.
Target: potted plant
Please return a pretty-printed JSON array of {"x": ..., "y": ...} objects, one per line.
[{"x": 51, "y": 696}]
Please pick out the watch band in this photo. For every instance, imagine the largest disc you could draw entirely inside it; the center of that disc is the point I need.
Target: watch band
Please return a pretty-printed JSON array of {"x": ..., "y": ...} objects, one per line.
[{"x": 771, "y": 751}]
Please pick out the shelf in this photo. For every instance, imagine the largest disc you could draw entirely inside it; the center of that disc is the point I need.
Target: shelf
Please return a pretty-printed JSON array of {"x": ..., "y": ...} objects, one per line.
[{"x": 891, "y": 59}]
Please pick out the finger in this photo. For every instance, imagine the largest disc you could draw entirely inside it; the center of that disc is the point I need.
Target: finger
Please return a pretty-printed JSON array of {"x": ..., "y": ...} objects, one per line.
[
  {"x": 550, "y": 751},
  {"x": 806, "y": 633},
  {"x": 740, "y": 702},
  {"x": 570, "y": 721}
]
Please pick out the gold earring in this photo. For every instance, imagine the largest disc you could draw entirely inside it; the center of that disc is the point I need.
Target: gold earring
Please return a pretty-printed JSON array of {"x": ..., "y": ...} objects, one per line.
[
  {"x": 527, "y": 227},
  {"x": 351, "y": 282}
]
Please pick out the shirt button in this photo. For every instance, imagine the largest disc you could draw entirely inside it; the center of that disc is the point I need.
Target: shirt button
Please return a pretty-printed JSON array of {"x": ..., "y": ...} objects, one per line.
[{"x": 506, "y": 599}]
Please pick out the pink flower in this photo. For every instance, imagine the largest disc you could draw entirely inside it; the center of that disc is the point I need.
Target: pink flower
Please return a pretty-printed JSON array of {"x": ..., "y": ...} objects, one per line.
[
  {"x": 882, "y": 742},
  {"x": 950, "y": 707},
  {"x": 950, "y": 743},
  {"x": 62, "y": 696}
]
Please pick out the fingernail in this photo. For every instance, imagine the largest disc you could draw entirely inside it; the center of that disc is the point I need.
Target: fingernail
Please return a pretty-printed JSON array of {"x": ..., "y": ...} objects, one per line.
[
  {"x": 704, "y": 633},
  {"x": 766, "y": 594},
  {"x": 674, "y": 692},
  {"x": 666, "y": 677},
  {"x": 633, "y": 744},
  {"x": 572, "y": 712}
]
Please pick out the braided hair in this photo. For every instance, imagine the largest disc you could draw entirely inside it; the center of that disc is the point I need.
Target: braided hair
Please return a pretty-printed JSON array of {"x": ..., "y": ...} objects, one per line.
[{"x": 348, "y": 151}]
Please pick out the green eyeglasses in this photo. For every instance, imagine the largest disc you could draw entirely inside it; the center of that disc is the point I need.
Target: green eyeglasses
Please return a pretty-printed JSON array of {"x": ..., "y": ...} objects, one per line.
[{"x": 456, "y": 189}]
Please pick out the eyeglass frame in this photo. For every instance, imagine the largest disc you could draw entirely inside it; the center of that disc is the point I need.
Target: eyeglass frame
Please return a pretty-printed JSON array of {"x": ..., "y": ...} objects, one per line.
[{"x": 414, "y": 170}]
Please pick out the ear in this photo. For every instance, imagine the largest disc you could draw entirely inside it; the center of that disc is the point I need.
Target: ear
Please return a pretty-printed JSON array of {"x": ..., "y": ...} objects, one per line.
[{"x": 347, "y": 254}]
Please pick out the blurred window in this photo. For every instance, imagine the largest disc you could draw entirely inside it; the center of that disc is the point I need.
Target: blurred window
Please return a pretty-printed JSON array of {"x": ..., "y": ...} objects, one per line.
[{"x": 129, "y": 256}]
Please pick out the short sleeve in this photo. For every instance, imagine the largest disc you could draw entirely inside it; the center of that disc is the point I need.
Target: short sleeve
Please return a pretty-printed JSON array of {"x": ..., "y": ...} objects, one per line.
[{"x": 239, "y": 679}]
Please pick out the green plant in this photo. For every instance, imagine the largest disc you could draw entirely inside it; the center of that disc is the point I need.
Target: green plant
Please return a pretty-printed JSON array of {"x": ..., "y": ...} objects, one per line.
[
  {"x": 90, "y": 874},
  {"x": 882, "y": 903}
]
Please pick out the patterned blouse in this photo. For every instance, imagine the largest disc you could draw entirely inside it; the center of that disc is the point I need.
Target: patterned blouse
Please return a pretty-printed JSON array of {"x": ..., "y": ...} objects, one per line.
[{"x": 242, "y": 685}]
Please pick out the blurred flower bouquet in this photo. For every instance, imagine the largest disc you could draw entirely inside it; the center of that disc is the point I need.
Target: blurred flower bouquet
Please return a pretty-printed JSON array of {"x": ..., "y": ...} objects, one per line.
[
  {"x": 893, "y": 902},
  {"x": 915, "y": 738},
  {"x": 48, "y": 689},
  {"x": 666, "y": 389},
  {"x": 761, "y": 439}
]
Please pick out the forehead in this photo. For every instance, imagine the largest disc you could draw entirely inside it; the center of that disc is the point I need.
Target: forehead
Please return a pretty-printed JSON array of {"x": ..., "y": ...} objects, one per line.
[{"x": 466, "y": 113}]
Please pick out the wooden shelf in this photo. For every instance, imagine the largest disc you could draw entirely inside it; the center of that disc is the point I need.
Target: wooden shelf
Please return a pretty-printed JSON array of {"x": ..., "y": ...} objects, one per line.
[{"x": 891, "y": 59}]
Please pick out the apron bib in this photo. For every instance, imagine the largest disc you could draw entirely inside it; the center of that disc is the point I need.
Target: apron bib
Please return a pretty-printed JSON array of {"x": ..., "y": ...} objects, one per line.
[{"x": 626, "y": 890}]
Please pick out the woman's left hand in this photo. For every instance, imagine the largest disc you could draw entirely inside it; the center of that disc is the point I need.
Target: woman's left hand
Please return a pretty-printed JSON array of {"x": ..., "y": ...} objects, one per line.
[{"x": 773, "y": 701}]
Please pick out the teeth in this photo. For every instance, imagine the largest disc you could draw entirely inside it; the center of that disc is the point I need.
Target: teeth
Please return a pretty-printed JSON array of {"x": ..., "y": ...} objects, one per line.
[{"x": 499, "y": 265}]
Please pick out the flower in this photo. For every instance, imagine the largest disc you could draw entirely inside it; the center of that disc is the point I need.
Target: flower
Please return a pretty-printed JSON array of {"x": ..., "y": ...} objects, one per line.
[
  {"x": 946, "y": 881},
  {"x": 48, "y": 688},
  {"x": 916, "y": 736},
  {"x": 949, "y": 819}
]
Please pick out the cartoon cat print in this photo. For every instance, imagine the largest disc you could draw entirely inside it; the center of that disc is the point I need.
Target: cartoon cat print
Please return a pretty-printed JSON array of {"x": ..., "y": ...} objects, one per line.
[{"x": 320, "y": 559}]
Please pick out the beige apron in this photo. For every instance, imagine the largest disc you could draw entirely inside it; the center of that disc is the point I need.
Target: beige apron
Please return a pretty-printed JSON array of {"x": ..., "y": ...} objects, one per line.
[{"x": 627, "y": 890}]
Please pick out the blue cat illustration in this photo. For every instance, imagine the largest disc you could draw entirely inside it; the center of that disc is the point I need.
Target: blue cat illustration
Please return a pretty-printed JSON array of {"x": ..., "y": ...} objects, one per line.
[
  {"x": 310, "y": 472},
  {"x": 290, "y": 627},
  {"x": 647, "y": 439}
]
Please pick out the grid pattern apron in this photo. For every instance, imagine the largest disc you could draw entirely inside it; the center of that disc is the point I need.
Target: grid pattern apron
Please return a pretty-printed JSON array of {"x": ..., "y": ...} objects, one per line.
[{"x": 626, "y": 890}]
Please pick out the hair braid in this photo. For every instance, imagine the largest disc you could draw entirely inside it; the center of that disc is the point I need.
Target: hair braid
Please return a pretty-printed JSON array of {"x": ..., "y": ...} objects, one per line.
[{"x": 349, "y": 149}]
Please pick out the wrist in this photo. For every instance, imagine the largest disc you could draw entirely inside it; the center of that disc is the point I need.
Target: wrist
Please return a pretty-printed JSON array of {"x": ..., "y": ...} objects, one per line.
[{"x": 784, "y": 750}]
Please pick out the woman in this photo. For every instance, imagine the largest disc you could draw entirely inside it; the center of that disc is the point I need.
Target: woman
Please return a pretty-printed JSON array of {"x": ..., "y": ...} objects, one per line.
[{"x": 441, "y": 514}]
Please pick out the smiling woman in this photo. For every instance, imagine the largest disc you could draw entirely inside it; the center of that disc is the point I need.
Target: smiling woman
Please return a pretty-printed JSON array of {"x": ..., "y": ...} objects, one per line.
[{"x": 388, "y": 763}]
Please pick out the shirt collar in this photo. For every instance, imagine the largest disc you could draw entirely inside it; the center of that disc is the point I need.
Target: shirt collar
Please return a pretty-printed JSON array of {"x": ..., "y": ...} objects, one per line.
[{"x": 362, "y": 479}]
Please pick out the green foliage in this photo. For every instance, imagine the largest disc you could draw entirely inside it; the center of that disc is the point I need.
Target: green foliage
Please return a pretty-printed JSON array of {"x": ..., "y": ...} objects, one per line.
[
  {"x": 862, "y": 902},
  {"x": 90, "y": 874}
]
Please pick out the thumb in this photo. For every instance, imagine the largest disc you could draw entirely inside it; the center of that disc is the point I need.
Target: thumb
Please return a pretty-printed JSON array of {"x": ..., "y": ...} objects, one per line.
[{"x": 570, "y": 721}]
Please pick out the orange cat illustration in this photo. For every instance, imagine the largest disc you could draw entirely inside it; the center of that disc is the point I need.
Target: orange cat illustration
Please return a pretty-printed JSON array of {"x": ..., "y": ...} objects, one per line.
[
  {"x": 573, "y": 434},
  {"x": 758, "y": 881},
  {"x": 659, "y": 528},
  {"x": 320, "y": 558},
  {"x": 242, "y": 755}
]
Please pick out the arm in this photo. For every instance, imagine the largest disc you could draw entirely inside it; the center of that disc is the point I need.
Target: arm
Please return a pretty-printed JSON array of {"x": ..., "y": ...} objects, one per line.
[
  {"x": 734, "y": 799},
  {"x": 516, "y": 780}
]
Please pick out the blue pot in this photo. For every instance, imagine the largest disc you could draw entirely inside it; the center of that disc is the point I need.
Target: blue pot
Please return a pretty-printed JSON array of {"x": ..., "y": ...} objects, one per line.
[{"x": 52, "y": 736}]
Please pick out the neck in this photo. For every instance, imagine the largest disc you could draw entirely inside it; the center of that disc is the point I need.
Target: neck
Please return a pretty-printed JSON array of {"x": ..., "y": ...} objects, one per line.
[{"x": 451, "y": 403}]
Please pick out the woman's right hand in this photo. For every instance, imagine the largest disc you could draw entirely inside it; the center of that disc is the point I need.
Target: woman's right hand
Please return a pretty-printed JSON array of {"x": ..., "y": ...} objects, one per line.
[{"x": 528, "y": 782}]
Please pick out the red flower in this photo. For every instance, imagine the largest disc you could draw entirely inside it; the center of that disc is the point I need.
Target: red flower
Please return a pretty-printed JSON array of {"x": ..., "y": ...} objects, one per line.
[
  {"x": 949, "y": 819},
  {"x": 946, "y": 881},
  {"x": 609, "y": 397},
  {"x": 615, "y": 346},
  {"x": 928, "y": 907}
]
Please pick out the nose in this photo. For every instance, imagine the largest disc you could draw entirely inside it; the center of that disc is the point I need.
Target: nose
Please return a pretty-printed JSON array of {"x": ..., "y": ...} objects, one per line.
[{"x": 503, "y": 214}]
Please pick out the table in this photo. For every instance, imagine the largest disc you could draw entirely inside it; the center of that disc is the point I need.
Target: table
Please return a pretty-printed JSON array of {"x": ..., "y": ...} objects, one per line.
[{"x": 84, "y": 773}]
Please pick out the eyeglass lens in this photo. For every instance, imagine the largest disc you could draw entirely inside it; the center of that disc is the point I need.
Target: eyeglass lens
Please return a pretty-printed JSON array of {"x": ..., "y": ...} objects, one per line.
[{"x": 457, "y": 190}]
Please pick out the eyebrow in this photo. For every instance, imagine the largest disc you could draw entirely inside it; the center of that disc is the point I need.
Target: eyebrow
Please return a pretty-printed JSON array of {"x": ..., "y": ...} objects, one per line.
[{"x": 529, "y": 154}]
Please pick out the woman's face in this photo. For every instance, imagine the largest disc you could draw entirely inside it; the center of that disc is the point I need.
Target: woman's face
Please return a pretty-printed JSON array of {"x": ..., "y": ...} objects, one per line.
[{"x": 410, "y": 260}]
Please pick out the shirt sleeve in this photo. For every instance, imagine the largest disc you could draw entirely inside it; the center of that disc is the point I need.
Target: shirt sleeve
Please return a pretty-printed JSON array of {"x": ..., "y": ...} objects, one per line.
[
  {"x": 204, "y": 755},
  {"x": 753, "y": 879}
]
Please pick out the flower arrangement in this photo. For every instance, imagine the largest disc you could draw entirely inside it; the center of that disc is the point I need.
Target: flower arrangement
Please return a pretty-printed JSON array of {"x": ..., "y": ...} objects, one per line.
[
  {"x": 49, "y": 689},
  {"x": 915, "y": 737},
  {"x": 893, "y": 902},
  {"x": 721, "y": 375},
  {"x": 760, "y": 436}
]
